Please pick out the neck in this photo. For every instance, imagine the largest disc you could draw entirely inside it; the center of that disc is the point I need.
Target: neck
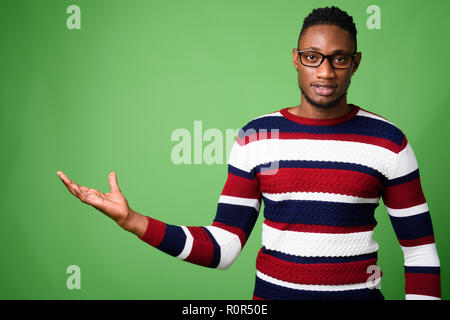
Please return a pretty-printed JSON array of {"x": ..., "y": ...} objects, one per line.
[{"x": 308, "y": 110}]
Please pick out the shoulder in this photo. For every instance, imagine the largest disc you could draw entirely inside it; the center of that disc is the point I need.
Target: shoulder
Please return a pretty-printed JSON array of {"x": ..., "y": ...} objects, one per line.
[
  {"x": 260, "y": 124},
  {"x": 381, "y": 127},
  {"x": 263, "y": 121},
  {"x": 363, "y": 112}
]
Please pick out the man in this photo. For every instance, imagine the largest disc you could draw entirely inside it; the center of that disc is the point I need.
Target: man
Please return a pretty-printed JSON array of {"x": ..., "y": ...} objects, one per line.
[{"x": 329, "y": 163}]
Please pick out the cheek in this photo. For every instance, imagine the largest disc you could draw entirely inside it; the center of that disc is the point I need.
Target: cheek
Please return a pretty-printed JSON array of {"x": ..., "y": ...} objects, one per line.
[
  {"x": 345, "y": 81},
  {"x": 304, "y": 77}
]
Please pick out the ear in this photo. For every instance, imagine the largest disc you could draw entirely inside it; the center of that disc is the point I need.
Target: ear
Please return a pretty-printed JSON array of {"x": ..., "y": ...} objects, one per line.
[
  {"x": 295, "y": 58},
  {"x": 357, "y": 62}
]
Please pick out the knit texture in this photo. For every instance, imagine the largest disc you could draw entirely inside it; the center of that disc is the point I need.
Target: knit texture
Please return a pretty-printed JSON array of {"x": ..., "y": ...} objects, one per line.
[{"x": 320, "y": 181}]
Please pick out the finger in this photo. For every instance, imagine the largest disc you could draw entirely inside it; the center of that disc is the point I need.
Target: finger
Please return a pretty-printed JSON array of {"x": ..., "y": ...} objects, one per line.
[
  {"x": 71, "y": 186},
  {"x": 64, "y": 177},
  {"x": 113, "y": 182},
  {"x": 76, "y": 189}
]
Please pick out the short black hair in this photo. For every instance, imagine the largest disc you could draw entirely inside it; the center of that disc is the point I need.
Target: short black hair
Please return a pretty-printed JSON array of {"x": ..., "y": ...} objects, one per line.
[{"x": 331, "y": 16}]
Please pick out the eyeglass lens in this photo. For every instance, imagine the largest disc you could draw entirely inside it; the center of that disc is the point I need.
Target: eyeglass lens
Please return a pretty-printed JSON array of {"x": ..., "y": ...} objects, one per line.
[{"x": 338, "y": 60}]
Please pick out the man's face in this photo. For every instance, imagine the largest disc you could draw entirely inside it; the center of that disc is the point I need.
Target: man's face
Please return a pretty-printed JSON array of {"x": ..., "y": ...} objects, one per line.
[{"x": 325, "y": 39}]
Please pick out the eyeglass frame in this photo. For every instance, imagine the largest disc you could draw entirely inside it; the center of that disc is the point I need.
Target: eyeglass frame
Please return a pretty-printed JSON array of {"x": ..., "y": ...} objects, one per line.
[{"x": 327, "y": 57}]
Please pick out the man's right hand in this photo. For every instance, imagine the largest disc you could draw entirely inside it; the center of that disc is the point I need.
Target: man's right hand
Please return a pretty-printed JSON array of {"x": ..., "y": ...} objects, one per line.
[{"x": 113, "y": 204}]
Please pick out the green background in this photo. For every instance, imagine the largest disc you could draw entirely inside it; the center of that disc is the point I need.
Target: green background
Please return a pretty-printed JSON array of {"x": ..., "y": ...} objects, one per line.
[{"x": 108, "y": 97}]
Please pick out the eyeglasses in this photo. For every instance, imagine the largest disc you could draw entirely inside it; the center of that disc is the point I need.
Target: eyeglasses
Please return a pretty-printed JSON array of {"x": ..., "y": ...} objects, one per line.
[{"x": 337, "y": 60}]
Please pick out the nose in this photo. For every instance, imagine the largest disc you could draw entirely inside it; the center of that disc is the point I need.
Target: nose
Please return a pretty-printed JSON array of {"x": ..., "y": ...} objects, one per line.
[{"x": 325, "y": 70}]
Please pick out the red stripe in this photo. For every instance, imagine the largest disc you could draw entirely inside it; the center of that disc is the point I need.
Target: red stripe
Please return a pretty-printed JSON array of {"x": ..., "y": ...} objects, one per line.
[
  {"x": 323, "y": 122},
  {"x": 257, "y": 298},
  {"x": 404, "y": 195},
  {"x": 427, "y": 284},
  {"x": 317, "y": 228},
  {"x": 154, "y": 234},
  {"x": 416, "y": 242},
  {"x": 202, "y": 249},
  {"x": 237, "y": 231},
  {"x": 236, "y": 186},
  {"x": 380, "y": 142},
  {"x": 316, "y": 273},
  {"x": 338, "y": 181}
]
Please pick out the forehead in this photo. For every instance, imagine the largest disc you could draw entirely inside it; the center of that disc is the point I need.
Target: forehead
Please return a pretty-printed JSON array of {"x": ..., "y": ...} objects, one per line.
[{"x": 327, "y": 38}]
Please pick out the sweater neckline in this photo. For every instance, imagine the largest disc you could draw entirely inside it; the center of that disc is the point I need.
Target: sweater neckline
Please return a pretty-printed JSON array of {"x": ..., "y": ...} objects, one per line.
[{"x": 320, "y": 122}]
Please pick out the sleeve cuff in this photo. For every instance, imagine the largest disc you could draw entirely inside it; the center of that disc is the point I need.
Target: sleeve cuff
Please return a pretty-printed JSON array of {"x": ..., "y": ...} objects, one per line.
[{"x": 154, "y": 234}]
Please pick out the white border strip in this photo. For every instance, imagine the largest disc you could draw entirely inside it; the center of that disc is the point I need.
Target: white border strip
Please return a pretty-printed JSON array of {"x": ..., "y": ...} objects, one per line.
[
  {"x": 407, "y": 212},
  {"x": 311, "y": 244},
  {"x": 188, "y": 244},
  {"x": 248, "y": 202},
  {"x": 319, "y": 287},
  {"x": 321, "y": 196},
  {"x": 420, "y": 297}
]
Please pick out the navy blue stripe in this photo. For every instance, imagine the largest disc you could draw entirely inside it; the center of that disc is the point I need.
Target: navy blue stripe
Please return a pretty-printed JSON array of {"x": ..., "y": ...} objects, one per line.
[
  {"x": 243, "y": 217},
  {"x": 241, "y": 173},
  {"x": 216, "y": 254},
  {"x": 320, "y": 212},
  {"x": 358, "y": 125},
  {"x": 406, "y": 178},
  {"x": 173, "y": 241},
  {"x": 267, "y": 290},
  {"x": 309, "y": 260},
  {"x": 324, "y": 165},
  {"x": 432, "y": 270},
  {"x": 412, "y": 227}
]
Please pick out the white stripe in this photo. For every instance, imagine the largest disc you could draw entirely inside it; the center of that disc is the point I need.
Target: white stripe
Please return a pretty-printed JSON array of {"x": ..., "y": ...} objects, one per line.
[
  {"x": 314, "y": 287},
  {"x": 241, "y": 201},
  {"x": 310, "y": 244},
  {"x": 188, "y": 244},
  {"x": 230, "y": 246},
  {"x": 364, "y": 113},
  {"x": 406, "y": 162},
  {"x": 321, "y": 196},
  {"x": 407, "y": 212},
  {"x": 421, "y": 256},
  {"x": 272, "y": 114},
  {"x": 259, "y": 152},
  {"x": 237, "y": 157},
  {"x": 420, "y": 297}
]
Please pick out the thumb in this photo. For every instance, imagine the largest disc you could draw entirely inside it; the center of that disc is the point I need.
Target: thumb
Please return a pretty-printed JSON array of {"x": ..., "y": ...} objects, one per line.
[{"x": 113, "y": 182}]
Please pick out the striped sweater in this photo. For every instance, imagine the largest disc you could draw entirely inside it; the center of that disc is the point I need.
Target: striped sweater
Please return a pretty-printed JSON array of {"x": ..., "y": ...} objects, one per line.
[{"x": 321, "y": 181}]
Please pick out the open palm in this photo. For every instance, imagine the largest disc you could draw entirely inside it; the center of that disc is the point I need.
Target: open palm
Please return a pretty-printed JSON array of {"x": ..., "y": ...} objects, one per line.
[{"x": 113, "y": 204}]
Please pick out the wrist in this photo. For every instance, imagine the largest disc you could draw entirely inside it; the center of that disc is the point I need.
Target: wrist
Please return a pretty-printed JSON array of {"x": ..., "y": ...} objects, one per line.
[{"x": 134, "y": 223}]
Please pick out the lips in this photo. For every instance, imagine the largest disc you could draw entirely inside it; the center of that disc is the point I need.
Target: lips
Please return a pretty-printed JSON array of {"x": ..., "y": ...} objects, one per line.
[{"x": 323, "y": 89}]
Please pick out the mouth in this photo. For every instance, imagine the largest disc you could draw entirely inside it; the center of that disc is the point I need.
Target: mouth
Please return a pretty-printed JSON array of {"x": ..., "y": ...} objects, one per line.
[{"x": 323, "y": 90}]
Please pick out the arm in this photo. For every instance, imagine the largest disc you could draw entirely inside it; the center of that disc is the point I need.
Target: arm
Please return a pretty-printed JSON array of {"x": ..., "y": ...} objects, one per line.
[
  {"x": 410, "y": 217},
  {"x": 214, "y": 246},
  {"x": 219, "y": 244}
]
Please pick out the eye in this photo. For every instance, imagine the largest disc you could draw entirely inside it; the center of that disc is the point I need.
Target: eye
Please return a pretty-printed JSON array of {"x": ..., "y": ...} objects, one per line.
[
  {"x": 309, "y": 56},
  {"x": 341, "y": 59}
]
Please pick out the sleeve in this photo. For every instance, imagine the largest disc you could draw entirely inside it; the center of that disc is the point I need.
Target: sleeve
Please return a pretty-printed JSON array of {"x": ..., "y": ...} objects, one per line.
[
  {"x": 410, "y": 217},
  {"x": 219, "y": 244}
]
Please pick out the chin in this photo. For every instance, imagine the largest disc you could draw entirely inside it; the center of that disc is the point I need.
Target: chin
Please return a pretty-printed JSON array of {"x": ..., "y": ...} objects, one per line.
[{"x": 323, "y": 102}]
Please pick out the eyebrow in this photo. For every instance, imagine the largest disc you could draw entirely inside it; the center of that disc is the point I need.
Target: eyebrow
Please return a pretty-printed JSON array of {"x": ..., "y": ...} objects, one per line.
[{"x": 335, "y": 51}]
